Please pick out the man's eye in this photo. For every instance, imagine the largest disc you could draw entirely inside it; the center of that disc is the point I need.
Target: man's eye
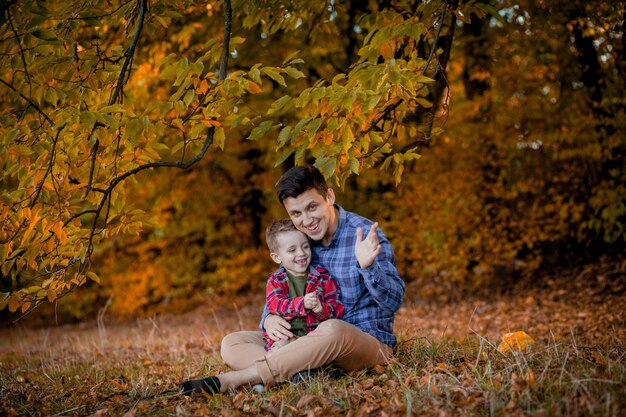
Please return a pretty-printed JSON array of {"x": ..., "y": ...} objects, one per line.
[{"x": 312, "y": 207}]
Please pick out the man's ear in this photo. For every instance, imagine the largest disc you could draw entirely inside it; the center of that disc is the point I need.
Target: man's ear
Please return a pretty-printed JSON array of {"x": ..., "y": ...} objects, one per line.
[
  {"x": 275, "y": 258},
  {"x": 330, "y": 196}
]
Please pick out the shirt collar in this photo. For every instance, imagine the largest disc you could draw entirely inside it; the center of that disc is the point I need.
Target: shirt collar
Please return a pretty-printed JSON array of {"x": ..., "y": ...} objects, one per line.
[{"x": 282, "y": 271}]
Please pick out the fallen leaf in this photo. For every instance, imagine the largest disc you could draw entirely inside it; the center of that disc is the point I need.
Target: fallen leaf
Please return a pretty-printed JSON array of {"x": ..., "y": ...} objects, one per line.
[
  {"x": 515, "y": 341},
  {"x": 435, "y": 390},
  {"x": 314, "y": 400}
]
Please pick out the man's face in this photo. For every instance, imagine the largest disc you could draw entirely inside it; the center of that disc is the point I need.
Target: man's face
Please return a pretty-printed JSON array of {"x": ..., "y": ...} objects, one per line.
[
  {"x": 313, "y": 214},
  {"x": 294, "y": 252}
]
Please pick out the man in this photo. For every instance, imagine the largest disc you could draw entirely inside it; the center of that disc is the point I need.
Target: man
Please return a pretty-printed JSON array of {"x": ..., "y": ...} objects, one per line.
[{"x": 371, "y": 291}]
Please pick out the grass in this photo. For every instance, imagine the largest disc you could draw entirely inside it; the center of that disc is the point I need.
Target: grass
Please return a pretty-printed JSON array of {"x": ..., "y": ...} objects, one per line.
[{"x": 131, "y": 370}]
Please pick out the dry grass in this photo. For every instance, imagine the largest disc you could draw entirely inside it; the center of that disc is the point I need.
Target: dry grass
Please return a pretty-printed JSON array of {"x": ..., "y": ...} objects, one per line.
[{"x": 130, "y": 369}]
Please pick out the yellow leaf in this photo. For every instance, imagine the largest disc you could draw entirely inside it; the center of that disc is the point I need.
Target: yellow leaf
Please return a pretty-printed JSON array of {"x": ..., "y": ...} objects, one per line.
[
  {"x": 93, "y": 276},
  {"x": 515, "y": 341},
  {"x": 219, "y": 138}
]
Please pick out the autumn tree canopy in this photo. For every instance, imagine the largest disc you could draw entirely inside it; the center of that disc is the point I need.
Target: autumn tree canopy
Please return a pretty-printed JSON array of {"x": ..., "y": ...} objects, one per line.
[{"x": 140, "y": 141}]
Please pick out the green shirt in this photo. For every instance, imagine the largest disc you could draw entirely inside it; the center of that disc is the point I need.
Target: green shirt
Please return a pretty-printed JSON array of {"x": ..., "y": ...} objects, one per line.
[{"x": 297, "y": 285}]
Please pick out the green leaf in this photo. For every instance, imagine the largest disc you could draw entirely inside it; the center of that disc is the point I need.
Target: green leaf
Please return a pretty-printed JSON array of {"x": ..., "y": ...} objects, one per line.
[
  {"x": 177, "y": 147},
  {"x": 294, "y": 73},
  {"x": 182, "y": 69},
  {"x": 46, "y": 35},
  {"x": 283, "y": 156},
  {"x": 298, "y": 128},
  {"x": 283, "y": 135},
  {"x": 255, "y": 74},
  {"x": 166, "y": 60},
  {"x": 259, "y": 131},
  {"x": 290, "y": 57},
  {"x": 88, "y": 119},
  {"x": 348, "y": 100},
  {"x": 326, "y": 165},
  {"x": 278, "y": 104},
  {"x": 133, "y": 131},
  {"x": 313, "y": 126},
  {"x": 115, "y": 108},
  {"x": 197, "y": 130},
  {"x": 274, "y": 76},
  {"x": 423, "y": 79}
]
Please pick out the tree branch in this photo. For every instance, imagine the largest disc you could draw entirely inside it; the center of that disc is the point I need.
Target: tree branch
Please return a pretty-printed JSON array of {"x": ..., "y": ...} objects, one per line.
[
  {"x": 434, "y": 48},
  {"x": 50, "y": 165},
  {"x": 32, "y": 103},
  {"x": 382, "y": 116},
  {"x": 127, "y": 67},
  {"x": 228, "y": 19},
  {"x": 158, "y": 164},
  {"x": 440, "y": 74},
  {"x": 19, "y": 43},
  {"x": 121, "y": 81}
]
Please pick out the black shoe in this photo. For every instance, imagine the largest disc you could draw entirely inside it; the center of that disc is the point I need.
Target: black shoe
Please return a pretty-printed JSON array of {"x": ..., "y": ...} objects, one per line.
[
  {"x": 305, "y": 375},
  {"x": 332, "y": 371},
  {"x": 210, "y": 385}
]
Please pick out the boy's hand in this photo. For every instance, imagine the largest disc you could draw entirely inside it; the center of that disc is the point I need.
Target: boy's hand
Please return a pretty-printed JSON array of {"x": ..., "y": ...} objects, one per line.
[
  {"x": 366, "y": 250},
  {"x": 311, "y": 302}
]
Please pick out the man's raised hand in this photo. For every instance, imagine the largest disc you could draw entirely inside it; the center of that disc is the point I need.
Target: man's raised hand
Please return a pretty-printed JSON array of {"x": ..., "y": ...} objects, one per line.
[{"x": 366, "y": 250}]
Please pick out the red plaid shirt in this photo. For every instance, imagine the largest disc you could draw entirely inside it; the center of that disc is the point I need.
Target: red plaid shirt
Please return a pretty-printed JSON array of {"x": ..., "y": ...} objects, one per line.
[{"x": 280, "y": 304}]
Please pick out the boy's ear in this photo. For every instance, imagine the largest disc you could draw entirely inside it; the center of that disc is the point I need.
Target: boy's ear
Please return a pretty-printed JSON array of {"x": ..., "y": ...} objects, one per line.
[{"x": 275, "y": 258}]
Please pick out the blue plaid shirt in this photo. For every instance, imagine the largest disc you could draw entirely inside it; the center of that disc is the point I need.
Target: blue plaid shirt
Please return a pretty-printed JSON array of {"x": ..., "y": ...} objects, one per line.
[{"x": 371, "y": 295}]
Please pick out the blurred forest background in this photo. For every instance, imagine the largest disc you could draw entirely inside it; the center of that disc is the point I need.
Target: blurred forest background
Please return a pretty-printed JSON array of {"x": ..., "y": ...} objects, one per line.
[{"x": 522, "y": 165}]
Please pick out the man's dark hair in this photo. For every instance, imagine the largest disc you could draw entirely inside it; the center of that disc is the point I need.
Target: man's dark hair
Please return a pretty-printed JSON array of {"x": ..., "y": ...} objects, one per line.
[{"x": 297, "y": 180}]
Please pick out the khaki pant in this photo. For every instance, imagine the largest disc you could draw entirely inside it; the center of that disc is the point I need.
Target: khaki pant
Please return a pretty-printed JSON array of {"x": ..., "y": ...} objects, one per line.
[{"x": 333, "y": 341}]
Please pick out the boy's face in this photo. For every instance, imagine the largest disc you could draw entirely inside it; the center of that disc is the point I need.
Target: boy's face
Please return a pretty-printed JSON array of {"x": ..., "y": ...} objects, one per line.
[
  {"x": 313, "y": 214},
  {"x": 293, "y": 252}
]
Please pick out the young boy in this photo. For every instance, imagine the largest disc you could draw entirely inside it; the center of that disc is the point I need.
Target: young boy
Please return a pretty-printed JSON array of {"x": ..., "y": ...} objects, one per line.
[{"x": 300, "y": 294}]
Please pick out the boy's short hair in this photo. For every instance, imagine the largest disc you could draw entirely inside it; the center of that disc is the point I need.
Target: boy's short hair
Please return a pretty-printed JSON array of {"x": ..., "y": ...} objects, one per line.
[
  {"x": 274, "y": 228},
  {"x": 297, "y": 180}
]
